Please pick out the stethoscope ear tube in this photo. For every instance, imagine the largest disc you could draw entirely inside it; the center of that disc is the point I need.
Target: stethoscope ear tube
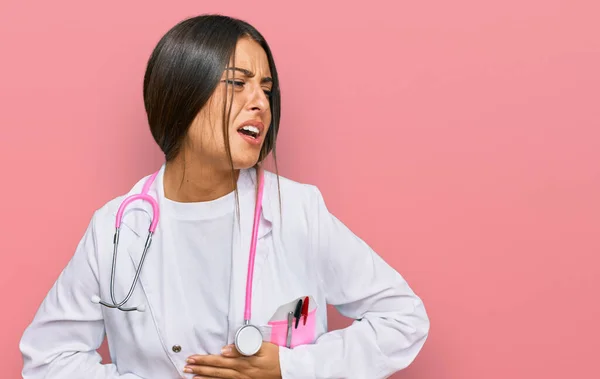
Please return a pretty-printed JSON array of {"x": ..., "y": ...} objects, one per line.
[
  {"x": 119, "y": 305},
  {"x": 155, "y": 216},
  {"x": 96, "y": 300}
]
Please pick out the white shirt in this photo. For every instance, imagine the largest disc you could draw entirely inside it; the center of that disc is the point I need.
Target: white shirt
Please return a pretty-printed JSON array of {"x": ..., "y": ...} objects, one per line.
[{"x": 203, "y": 233}]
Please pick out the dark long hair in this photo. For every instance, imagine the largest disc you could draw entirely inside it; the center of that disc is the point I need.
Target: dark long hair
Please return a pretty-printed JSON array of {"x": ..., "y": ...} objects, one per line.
[{"x": 183, "y": 72}]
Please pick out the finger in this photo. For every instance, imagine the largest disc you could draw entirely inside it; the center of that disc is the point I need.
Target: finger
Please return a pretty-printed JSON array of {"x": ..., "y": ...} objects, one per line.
[
  {"x": 231, "y": 351},
  {"x": 238, "y": 364},
  {"x": 213, "y": 372},
  {"x": 212, "y": 361}
]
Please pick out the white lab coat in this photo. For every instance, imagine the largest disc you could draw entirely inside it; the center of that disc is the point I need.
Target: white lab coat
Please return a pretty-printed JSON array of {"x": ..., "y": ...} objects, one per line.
[{"x": 303, "y": 250}]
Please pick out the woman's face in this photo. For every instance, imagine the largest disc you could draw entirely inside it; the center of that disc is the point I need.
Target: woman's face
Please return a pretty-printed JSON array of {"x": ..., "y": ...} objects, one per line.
[{"x": 248, "y": 80}]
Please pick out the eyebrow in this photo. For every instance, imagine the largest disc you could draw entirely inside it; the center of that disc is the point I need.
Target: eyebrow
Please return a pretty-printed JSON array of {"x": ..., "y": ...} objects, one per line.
[{"x": 250, "y": 74}]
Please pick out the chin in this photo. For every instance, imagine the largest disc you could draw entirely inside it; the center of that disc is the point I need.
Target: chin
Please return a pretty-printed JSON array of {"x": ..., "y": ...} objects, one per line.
[
  {"x": 243, "y": 154},
  {"x": 243, "y": 163}
]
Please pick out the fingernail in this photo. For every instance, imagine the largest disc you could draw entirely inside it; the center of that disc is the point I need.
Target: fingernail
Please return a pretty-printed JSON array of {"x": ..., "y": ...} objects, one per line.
[
  {"x": 188, "y": 370},
  {"x": 190, "y": 360},
  {"x": 226, "y": 350}
]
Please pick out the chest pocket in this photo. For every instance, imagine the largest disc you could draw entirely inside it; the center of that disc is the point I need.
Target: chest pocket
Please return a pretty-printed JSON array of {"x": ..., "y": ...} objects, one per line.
[
  {"x": 284, "y": 281},
  {"x": 288, "y": 330}
]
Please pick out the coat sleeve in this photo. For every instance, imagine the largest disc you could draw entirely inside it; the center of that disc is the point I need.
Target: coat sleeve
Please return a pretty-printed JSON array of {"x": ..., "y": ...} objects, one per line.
[
  {"x": 63, "y": 338},
  {"x": 391, "y": 324}
]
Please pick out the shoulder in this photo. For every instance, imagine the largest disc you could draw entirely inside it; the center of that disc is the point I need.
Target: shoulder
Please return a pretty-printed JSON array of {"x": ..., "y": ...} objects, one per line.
[
  {"x": 109, "y": 209},
  {"x": 293, "y": 196},
  {"x": 295, "y": 190},
  {"x": 288, "y": 185}
]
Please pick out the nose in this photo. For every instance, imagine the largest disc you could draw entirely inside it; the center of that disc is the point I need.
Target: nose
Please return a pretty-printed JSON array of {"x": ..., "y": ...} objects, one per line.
[{"x": 259, "y": 102}]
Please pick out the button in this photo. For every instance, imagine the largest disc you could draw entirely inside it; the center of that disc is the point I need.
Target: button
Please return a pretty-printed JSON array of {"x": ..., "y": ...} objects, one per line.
[{"x": 176, "y": 348}]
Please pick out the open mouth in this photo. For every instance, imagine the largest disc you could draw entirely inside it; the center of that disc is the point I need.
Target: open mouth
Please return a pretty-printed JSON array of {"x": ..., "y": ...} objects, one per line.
[{"x": 250, "y": 131}]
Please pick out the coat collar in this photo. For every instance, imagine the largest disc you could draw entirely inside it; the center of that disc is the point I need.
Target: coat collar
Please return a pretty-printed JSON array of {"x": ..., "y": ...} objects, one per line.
[{"x": 165, "y": 293}]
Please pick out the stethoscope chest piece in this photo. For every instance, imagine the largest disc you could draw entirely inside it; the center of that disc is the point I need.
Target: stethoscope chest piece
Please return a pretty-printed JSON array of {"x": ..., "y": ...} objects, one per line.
[{"x": 248, "y": 340}]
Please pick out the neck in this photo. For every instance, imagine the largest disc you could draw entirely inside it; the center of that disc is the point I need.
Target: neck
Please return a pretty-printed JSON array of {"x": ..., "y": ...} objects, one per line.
[{"x": 195, "y": 182}]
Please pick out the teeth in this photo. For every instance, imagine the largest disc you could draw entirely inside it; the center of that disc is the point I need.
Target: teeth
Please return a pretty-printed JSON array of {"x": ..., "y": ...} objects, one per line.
[{"x": 252, "y": 129}]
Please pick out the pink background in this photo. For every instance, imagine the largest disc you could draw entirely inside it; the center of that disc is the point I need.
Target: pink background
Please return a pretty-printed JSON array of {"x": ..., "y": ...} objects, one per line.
[{"x": 461, "y": 139}]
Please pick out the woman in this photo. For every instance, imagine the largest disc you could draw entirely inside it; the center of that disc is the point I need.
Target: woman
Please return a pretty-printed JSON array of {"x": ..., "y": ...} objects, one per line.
[{"x": 212, "y": 96}]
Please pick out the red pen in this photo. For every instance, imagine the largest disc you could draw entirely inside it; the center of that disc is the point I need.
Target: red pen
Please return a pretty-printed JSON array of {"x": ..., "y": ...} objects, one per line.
[{"x": 305, "y": 309}]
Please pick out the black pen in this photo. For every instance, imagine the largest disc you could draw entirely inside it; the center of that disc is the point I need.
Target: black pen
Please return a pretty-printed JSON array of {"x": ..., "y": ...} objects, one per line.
[{"x": 298, "y": 313}]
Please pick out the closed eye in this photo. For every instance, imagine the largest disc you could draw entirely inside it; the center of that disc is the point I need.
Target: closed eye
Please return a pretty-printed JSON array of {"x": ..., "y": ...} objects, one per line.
[
  {"x": 236, "y": 83},
  {"x": 240, "y": 84}
]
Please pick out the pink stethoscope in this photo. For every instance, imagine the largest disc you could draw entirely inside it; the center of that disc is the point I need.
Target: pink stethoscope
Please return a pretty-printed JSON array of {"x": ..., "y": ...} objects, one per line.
[{"x": 248, "y": 338}]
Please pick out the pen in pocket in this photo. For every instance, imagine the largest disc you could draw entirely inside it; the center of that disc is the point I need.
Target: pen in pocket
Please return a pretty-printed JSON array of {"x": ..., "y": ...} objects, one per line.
[{"x": 290, "y": 320}]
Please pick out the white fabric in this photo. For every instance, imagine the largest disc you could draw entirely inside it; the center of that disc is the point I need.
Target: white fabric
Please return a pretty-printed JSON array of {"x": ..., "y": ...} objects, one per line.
[{"x": 202, "y": 241}]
